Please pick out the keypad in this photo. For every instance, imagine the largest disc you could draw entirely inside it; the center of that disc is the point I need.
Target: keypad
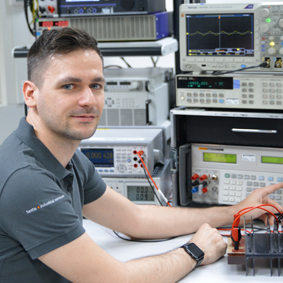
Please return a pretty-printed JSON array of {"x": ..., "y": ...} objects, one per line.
[
  {"x": 233, "y": 188},
  {"x": 120, "y": 102},
  {"x": 205, "y": 98},
  {"x": 125, "y": 161},
  {"x": 272, "y": 93},
  {"x": 236, "y": 187},
  {"x": 247, "y": 90}
]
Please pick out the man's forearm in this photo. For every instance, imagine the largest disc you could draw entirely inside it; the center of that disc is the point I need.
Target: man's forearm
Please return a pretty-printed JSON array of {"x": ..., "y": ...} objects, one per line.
[
  {"x": 174, "y": 265},
  {"x": 82, "y": 260},
  {"x": 175, "y": 221},
  {"x": 168, "y": 222},
  {"x": 169, "y": 267},
  {"x": 144, "y": 221}
]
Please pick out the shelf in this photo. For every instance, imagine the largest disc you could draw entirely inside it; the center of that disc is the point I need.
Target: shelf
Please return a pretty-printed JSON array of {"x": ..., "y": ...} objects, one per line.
[{"x": 160, "y": 47}]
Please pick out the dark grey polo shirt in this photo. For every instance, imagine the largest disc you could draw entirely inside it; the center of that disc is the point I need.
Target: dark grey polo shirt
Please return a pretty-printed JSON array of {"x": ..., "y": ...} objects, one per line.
[{"x": 40, "y": 204}]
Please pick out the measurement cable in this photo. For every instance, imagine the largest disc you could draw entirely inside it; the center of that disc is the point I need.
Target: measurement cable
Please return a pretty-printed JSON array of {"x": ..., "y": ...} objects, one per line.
[
  {"x": 140, "y": 153},
  {"x": 263, "y": 65}
]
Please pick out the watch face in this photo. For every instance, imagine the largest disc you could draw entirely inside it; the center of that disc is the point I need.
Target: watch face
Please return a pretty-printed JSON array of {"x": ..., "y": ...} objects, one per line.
[{"x": 195, "y": 250}]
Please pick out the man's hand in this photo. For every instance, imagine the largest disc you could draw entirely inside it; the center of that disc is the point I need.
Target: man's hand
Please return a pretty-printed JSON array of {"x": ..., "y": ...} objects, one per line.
[
  {"x": 210, "y": 242},
  {"x": 258, "y": 197}
]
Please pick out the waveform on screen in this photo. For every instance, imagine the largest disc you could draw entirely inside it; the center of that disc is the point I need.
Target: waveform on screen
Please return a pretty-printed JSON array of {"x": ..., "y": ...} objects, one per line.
[{"x": 220, "y": 33}]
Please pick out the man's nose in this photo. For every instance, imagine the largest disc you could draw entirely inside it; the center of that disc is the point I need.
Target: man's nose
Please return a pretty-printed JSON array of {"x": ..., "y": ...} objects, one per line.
[{"x": 87, "y": 97}]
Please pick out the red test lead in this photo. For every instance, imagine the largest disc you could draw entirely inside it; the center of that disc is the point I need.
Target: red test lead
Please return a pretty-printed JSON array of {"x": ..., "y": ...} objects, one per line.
[{"x": 140, "y": 153}]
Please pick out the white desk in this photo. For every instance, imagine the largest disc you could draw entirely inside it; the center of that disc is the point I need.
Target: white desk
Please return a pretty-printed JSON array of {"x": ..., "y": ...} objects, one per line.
[{"x": 219, "y": 272}]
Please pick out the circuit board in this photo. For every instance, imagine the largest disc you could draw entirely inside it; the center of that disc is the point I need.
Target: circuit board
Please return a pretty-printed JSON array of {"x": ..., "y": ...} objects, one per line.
[{"x": 253, "y": 246}]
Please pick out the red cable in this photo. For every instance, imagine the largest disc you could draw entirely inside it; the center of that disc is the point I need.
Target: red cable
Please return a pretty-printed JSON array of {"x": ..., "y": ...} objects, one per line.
[
  {"x": 140, "y": 156},
  {"x": 260, "y": 205},
  {"x": 252, "y": 208}
]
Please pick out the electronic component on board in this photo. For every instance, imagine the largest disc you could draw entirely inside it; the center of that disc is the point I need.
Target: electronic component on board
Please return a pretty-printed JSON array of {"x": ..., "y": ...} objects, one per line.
[{"x": 258, "y": 245}]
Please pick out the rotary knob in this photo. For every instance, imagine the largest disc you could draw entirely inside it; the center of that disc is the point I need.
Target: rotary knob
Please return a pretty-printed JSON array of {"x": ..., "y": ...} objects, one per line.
[
  {"x": 264, "y": 28},
  {"x": 271, "y": 50},
  {"x": 280, "y": 23},
  {"x": 135, "y": 85},
  {"x": 265, "y": 12}
]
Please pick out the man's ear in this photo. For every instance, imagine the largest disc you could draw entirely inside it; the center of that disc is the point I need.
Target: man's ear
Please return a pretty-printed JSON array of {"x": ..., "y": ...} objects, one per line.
[{"x": 30, "y": 91}]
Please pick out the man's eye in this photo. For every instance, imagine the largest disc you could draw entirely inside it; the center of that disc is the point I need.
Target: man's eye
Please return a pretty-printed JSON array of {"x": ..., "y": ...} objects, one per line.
[
  {"x": 69, "y": 86},
  {"x": 96, "y": 86}
]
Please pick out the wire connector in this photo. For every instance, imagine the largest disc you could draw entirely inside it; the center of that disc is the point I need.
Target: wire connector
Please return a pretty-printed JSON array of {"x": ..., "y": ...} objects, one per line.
[
  {"x": 140, "y": 153},
  {"x": 236, "y": 237}
]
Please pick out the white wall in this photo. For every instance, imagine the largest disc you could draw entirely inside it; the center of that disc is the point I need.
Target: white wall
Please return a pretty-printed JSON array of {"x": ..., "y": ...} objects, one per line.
[{"x": 13, "y": 32}]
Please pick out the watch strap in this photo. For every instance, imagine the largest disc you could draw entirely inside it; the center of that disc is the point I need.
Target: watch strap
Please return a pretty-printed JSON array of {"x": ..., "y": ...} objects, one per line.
[{"x": 195, "y": 252}]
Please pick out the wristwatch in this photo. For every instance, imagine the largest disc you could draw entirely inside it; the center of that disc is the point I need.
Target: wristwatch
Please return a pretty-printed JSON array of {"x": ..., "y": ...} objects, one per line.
[{"x": 195, "y": 252}]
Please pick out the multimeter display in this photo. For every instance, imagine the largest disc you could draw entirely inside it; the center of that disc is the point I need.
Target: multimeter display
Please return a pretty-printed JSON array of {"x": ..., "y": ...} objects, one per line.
[
  {"x": 140, "y": 193},
  {"x": 271, "y": 159},
  {"x": 219, "y": 157},
  {"x": 101, "y": 157},
  {"x": 205, "y": 82}
]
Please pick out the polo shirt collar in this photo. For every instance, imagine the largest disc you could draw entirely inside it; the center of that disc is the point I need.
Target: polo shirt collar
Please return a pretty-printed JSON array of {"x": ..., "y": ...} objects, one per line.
[{"x": 25, "y": 132}]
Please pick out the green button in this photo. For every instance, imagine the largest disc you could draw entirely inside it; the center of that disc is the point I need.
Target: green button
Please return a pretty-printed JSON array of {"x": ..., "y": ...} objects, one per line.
[{"x": 227, "y": 175}]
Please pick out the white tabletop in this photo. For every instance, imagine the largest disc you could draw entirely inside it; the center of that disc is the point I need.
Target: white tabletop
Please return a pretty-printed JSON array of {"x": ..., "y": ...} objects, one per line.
[{"x": 219, "y": 272}]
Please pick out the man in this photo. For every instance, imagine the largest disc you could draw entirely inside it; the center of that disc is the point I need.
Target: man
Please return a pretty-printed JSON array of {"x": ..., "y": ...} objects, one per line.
[{"x": 46, "y": 185}]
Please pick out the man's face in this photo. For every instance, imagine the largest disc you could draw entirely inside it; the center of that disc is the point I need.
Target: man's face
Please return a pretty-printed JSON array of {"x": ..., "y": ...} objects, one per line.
[{"x": 71, "y": 98}]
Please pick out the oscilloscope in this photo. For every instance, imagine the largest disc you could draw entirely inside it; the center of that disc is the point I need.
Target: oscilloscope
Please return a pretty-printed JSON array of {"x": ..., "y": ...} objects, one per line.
[{"x": 225, "y": 37}]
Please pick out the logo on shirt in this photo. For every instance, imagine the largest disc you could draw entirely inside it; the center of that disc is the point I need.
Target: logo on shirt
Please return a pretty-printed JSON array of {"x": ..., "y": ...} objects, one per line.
[{"x": 44, "y": 204}]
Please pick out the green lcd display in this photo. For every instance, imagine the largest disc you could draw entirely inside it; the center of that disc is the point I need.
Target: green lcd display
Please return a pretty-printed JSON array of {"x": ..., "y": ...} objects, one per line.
[
  {"x": 144, "y": 193},
  {"x": 219, "y": 157},
  {"x": 271, "y": 159}
]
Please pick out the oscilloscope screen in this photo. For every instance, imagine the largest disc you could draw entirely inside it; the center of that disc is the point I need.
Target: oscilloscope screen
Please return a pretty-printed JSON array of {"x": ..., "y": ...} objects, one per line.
[{"x": 220, "y": 35}]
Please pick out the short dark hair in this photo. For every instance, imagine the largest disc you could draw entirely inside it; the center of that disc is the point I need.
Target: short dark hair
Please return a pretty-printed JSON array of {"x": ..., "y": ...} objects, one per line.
[{"x": 56, "y": 42}]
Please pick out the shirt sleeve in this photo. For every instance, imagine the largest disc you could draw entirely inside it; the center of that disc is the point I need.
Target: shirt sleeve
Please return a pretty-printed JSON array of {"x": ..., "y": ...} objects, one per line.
[{"x": 38, "y": 213}]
